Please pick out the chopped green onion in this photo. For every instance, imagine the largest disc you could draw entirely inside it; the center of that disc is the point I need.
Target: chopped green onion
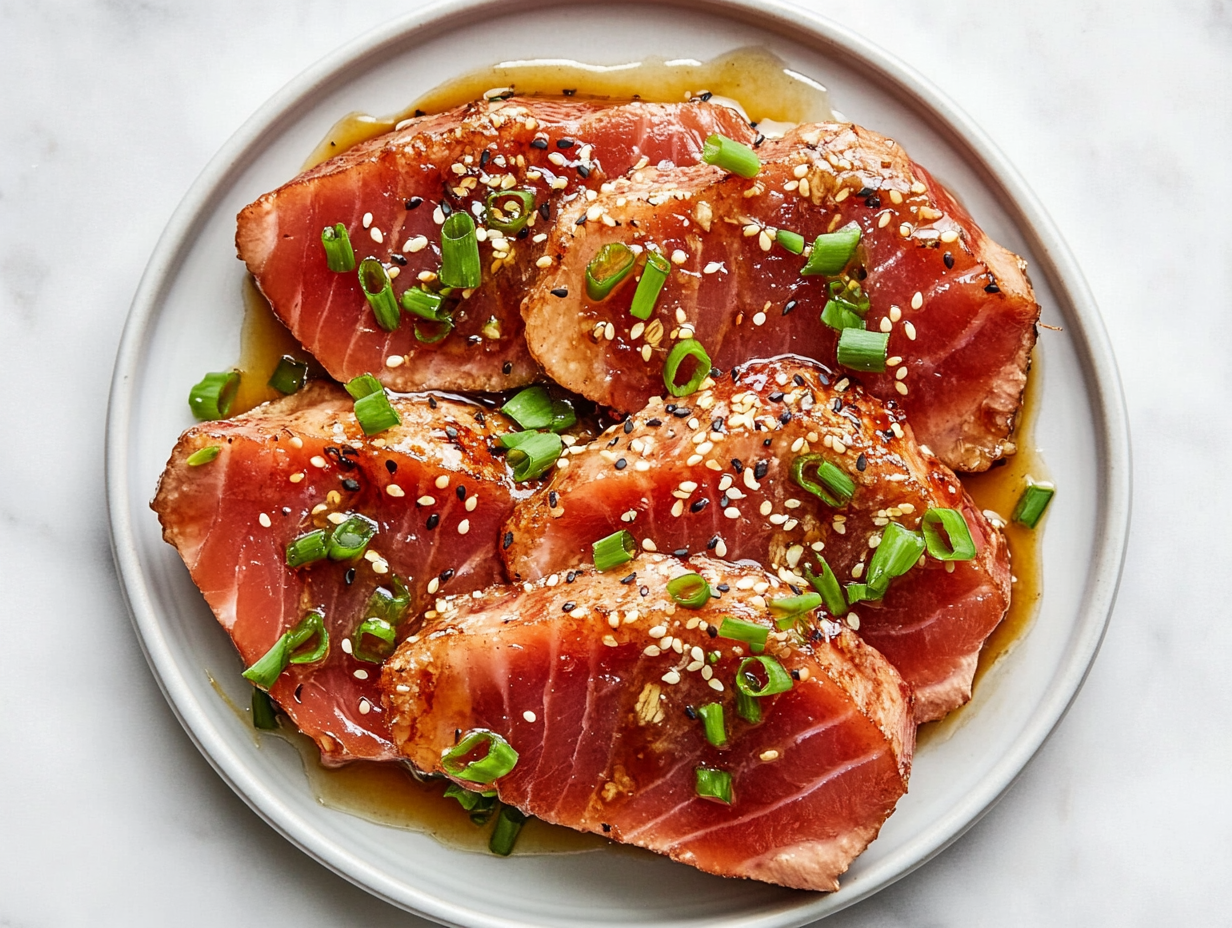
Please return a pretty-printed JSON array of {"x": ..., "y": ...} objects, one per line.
[
  {"x": 499, "y": 214},
  {"x": 792, "y": 242},
  {"x": 460, "y": 252},
  {"x": 861, "y": 592},
  {"x": 751, "y": 633},
  {"x": 387, "y": 605},
  {"x": 654, "y": 275},
  {"x": 689, "y": 590},
  {"x": 778, "y": 680},
  {"x": 339, "y": 255},
  {"x": 686, "y": 348},
  {"x": 861, "y": 350},
  {"x": 362, "y": 386},
  {"x": 425, "y": 304},
  {"x": 564, "y": 416},
  {"x": 379, "y": 290},
  {"x": 832, "y": 486},
  {"x": 513, "y": 439},
  {"x": 714, "y": 784},
  {"x": 608, "y": 268},
  {"x": 531, "y": 408},
  {"x": 430, "y": 336},
  {"x": 480, "y": 805},
  {"x": 289, "y": 375},
  {"x": 897, "y": 553},
  {"x": 789, "y": 608},
  {"x": 839, "y": 315},
  {"x": 264, "y": 715},
  {"x": 731, "y": 156},
  {"x": 947, "y": 535},
  {"x": 307, "y": 548},
  {"x": 832, "y": 251},
  {"x": 1031, "y": 505},
  {"x": 827, "y": 585},
  {"x": 533, "y": 455},
  {"x": 265, "y": 672},
  {"x": 747, "y": 707},
  {"x": 351, "y": 537},
  {"x": 375, "y": 413},
  {"x": 386, "y": 639},
  {"x": 712, "y": 721},
  {"x": 204, "y": 455},
  {"x": 616, "y": 549},
  {"x": 505, "y": 833},
  {"x": 498, "y": 759},
  {"x": 212, "y": 397}
]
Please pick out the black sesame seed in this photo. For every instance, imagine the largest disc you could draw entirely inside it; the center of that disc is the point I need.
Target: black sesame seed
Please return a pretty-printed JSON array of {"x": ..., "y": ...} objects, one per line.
[
  {"x": 628, "y": 426},
  {"x": 507, "y": 368},
  {"x": 724, "y": 502},
  {"x": 757, "y": 141},
  {"x": 622, "y": 464},
  {"x": 699, "y": 504},
  {"x": 508, "y": 540},
  {"x": 613, "y": 442},
  {"x": 776, "y": 396},
  {"x": 861, "y": 462},
  {"x": 399, "y": 259},
  {"x": 690, "y": 712},
  {"x": 866, "y": 192},
  {"x": 629, "y": 579},
  {"x": 788, "y": 306},
  {"x": 485, "y": 157},
  {"x": 606, "y": 827},
  {"x": 584, "y": 171},
  {"x": 391, "y": 466},
  {"x": 433, "y": 521},
  {"x": 552, "y": 499},
  {"x": 766, "y": 443},
  {"x": 446, "y": 208},
  {"x": 735, "y": 375},
  {"x": 681, "y": 552},
  {"x": 480, "y": 418},
  {"x": 568, "y": 607},
  {"x": 717, "y": 425},
  {"x": 349, "y": 577},
  {"x": 298, "y": 691},
  {"x": 670, "y": 407},
  {"x": 723, "y": 588},
  {"x": 570, "y": 576},
  {"x": 795, "y": 675},
  {"x": 785, "y": 418},
  {"x": 564, "y": 142},
  {"x": 561, "y": 292},
  {"x": 948, "y": 259},
  {"x": 873, "y": 202},
  {"x": 992, "y": 288},
  {"x": 539, "y": 143},
  {"x": 349, "y": 484},
  {"x": 682, "y": 412},
  {"x": 432, "y": 402},
  {"x": 710, "y": 545},
  {"x": 414, "y": 202},
  {"x": 654, "y": 423},
  {"x": 837, "y": 405},
  {"x": 545, "y": 209},
  {"x": 460, "y": 491},
  {"x": 712, "y": 631},
  {"x": 759, "y": 470},
  {"x": 705, "y": 96},
  {"x": 737, "y": 465},
  {"x": 447, "y": 575},
  {"x": 451, "y": 433},
  {"x": 581, "y": 220},
  {"x": 797, "y": 380}
]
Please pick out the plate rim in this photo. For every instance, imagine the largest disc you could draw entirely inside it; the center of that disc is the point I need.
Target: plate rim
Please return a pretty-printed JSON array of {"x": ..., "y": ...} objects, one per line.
[{"x": 1084, "y": 326}]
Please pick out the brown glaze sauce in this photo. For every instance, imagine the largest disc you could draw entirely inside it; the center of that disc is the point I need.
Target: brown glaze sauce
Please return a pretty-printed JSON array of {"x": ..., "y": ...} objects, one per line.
[{"x": 387, "y": 793}]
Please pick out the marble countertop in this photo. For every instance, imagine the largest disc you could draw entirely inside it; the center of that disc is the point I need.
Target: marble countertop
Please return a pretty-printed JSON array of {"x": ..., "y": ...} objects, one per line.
[{"x": 110, "y": 816}]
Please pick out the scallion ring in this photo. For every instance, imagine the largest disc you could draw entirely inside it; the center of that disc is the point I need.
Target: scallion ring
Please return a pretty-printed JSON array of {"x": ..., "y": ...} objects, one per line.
[
  {"x": 432, "y": 332},
  {"x": 608, "y": 269},
  {"x": 339, "y": 255},
  {"x": 204, "y": 455},
  {"x": 731, "y": 156},
  {"x": 712, "y": 723},
  {"x": 832, "y": 251},
  {"x": 839, "y": 315},
  {"x": 312, "y": 546},
  {"x": 351, "y": 537},
  {"x": 748, "y": 707},
  {"x": 533, "y": 455},
  {"x": 685, "y": 348},
  {"x": 287, "y": 650},
  {"x": 832, "y": 485},
  {"x": 827, "y": 585},
  {"x": 499, "y": 758},
  {"x": 425, "y": 304},
  {"x": 211, "y": 398},
  {"x": 379, "y": 291},
  {"x": 861, "y": 350},
  {"x": 1031, "y": 505},
  {"x": 778, "y": 680},
  {"x": 898, "y": 552},
  {"x": 791, "y": 242},
  {"x": 505, "y": 833},
  {"x": 390, "y": 605},
  {"x": 689, "y": 590},
  {"x": 750, "y": 633},
  {"x": 616, "y": 549},
  {"x": 362, "y": 386},
  {"x": 509, "y": 210},
  {"x": 564, "y": 416},
  {"x": 289, "y": 375},
  {"x": 788, "y": 609},
  {"x": 654, "y": 275},
  {"x": 860, "y": 593},
  {"x": 375, "y": 413},
  {"x": 947, "y": 535},
  {"x": 374, "y": 640},
  {"x": 460, "y": 252},
  {"x": 713, "y": 784},
  {"x": 264, "y": 714},
  {"x": 530, "y": 408}
]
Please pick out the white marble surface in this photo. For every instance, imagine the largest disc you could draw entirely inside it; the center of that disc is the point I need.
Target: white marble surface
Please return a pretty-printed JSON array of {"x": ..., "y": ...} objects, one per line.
[{"x": 1119, "y": 117}]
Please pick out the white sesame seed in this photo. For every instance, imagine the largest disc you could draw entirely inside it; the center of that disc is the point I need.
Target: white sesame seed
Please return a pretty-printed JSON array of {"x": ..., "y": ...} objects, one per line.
[
  {"x": 364, "y": 706},
  {"x": 721, "y": 548},
  {"x": 679, "y": 257},
  {"x": 648, "y": 545},
  {"x": 764, "y": 241},
  {"x": 296, "y": 478},
  {"x": 759, "y": 318},
  {"x": 529, "y": 716},
  {"x": 769, "y": 755},
  {"x": 426, "y": 500},
  {"x": 394, "y": 490},
  {"x": 707, "y": 672},
  {"x": 910, "y": 330},
  {"x": 949, "y": 236},
  {"x": 672, "y": 677},
  {"x": 732, "y": 512},
  {"x": 464, "y": 526},
  {"x": 336, "y": 518},
  {"x": 658, "y": 631},
  {"x": 713, "y": 267},
  {"x": 918, "y": 187},
  {"x": 885, "y": 325},
  {"x": 900, "y": 373},
  {"x": 367, "y": 220},
  {"x": 901, "y": 387},
  {"x": 557, "y": 159},
  {"x": 376, "y": 235},
  {"x": 716, "y": 686},
  {"x": 471, "y": 503},
  {"x": 652, "y": 651},
  {"x": 317, "y": 461},
  {"x": 693, "y": 460},
  {"x": 433, "y": 585},
  {"x": 360, "y": 674},
  {"x": 766, "y": 508}
]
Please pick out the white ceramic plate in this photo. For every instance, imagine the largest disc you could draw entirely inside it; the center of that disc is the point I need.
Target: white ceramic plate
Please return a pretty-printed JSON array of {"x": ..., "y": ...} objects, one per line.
[{"x": 186, "y": 319}]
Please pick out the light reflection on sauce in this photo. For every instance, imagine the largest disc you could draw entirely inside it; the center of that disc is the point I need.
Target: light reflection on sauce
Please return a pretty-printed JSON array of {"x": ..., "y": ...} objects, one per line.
[{"x": 386, "y": 793}]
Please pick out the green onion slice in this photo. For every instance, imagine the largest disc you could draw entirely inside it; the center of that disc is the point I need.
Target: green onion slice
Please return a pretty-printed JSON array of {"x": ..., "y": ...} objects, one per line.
[
  {"x": 351, "y": 537},
  {"x": 789, "y": 609},
  {"x": 947, "y": 535},
  {"x": 714, "y": 784},
  {"x": 307, "y": 548},
  {"x": 432, "y": 333},
  {"x": 425, "y": 304},
  {"x": 460, "y": 252},
  {"x": 616, "y": 549},
  {"x": 498, "y": 759},
  {"x": 212, "y": 397},
  {"x": 373, "y": 641},
  {"x": 898, "y": 552},
  {"x": 778, "y": 680},
  {"x": 839, "y": 315},
  {"x": 379, "y": 290},
  {"x": 861, "y": 592},
  {"x": 689, "y": 590},
  {"x": 362, "y": 386},
  {"x": 792, "y": 242},
  {"x": 204, "y": 455},
  {"x": 564, "y": 416},
  {"x": 832, "y": 251},
  {"x": 480, "y": 805},
  {"x": 827, "y": 585},
  {"x": 339, "y": 255},
  {"x": 505, "y": 833},
  {"x": 1031, "y": 505},
  {"x": 747, "y": 707},
  {"x": 751, "y": 633},
  {"x": 286, "y": 650},
  {"x": 531, "y": 408},
  {"x": 607, "y": 269},
  {"x": 686, "y": 348},
  {"x": 289, "y": 375},
  {"x": 531, "y": 456},
  {"x": 513, "y": 439},
  {"x": 375, "y": 413},
  {"x": 509, "y": 210},
  {"x": 391, "y": 606},
  {"x": 654, "y": 275},
  {"x": 264, "y": 715},
  {"x": 712, "y": 721},
  {"x": 832, "y": 485},
  {"x": 861, "y": 350},
  {"x": 731, "y": 156}
]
